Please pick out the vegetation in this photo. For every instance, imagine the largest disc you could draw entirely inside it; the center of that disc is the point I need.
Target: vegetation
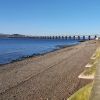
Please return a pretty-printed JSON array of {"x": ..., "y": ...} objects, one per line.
[
  {"x": 90, "y": 71},
  {"x": 83, "y": 93},
  {"x": 97, "y": 54},
  {"x": 93, "y": 62}
]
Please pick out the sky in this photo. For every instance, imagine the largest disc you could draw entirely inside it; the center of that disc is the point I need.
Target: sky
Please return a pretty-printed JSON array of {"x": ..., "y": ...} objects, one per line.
[{"x": 50, "y": 17}]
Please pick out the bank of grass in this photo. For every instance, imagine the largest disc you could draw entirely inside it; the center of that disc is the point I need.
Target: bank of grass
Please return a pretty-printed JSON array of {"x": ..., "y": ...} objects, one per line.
[
  {"x": 96, "y": 55},
  {"x": 90, "y": 71},
  {"x": 83, "y": 93}
]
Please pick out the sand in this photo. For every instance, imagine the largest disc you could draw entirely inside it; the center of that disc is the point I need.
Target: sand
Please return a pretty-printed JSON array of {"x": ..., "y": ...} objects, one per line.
[{"x": 53, "y": 76}]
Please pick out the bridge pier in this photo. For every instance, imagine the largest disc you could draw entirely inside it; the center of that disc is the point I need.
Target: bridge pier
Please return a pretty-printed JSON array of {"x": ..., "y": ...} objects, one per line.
[
  {"x": 95, "y": 37},
  {"x": 66, "y": 37},
  {"x": 55, "y": 37},
  {"x": 70, "y": 38},
  {"x": 74, "y": 38},
  {"x": 83, "y": 37},
  {"x": 89, "y": 37},
  {"x": 62, "y": 37},
  {"x": 78, "y": 37}
]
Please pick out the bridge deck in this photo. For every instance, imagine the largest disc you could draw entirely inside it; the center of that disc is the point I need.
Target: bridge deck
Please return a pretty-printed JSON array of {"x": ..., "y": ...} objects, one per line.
[{"x": 74, "y": 37}]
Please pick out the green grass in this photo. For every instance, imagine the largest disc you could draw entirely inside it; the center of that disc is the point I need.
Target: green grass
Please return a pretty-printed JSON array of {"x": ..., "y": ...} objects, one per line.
[{"x": 83, "y": 93}]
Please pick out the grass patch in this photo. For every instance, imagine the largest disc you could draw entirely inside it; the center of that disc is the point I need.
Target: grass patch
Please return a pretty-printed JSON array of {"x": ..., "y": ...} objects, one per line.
[
  {"x": 83, "y": 93},
  {"x": 96, "y": 55},
  {"x": 90, "y": 71},
  {"x": 93, "y": 62}
]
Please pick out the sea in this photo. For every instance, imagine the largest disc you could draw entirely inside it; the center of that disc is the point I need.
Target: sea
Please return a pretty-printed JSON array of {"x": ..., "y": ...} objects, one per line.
[{"x": 14, "y": 49}]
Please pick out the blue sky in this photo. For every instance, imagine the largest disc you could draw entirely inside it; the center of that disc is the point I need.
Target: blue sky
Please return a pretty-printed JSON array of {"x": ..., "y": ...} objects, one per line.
[{"x": 50, "y": 17}]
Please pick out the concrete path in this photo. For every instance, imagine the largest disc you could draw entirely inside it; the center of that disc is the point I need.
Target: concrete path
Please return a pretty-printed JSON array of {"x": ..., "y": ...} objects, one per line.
[{"x": 95, "y": 95}]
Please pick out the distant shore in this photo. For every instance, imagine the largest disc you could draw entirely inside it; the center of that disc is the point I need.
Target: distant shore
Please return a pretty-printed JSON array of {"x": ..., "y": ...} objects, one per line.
[{"x": 50, "y": 76}]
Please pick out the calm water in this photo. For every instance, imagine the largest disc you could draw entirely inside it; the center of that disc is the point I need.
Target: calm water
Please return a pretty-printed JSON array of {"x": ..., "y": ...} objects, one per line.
[{"x": 16, "y": 48}]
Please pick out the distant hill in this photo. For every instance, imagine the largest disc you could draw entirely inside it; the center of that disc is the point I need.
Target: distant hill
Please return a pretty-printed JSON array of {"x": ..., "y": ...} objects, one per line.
[
  {"x": 4, "y": 35},
  {"x": 11, "y": 35}
]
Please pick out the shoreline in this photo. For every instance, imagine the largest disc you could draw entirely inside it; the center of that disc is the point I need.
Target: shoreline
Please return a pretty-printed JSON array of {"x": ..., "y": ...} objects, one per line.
[
  {"x": 58, "y": 47},
  {"x": 53, "y": 75}
]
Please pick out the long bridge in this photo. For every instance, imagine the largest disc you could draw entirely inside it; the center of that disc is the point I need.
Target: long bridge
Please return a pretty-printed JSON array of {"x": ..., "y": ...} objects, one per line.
[{"x": 68, "y": 37}]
